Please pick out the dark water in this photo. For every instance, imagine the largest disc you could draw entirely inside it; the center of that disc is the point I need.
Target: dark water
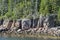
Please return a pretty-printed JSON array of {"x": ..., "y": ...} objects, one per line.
[{"x": 18, "y": 38}]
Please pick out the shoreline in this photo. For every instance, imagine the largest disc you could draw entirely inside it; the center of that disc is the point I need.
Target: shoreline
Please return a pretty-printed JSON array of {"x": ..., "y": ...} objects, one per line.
[
  {"x": 29, "y": 35},
  {"x": 39, "y": 27}
]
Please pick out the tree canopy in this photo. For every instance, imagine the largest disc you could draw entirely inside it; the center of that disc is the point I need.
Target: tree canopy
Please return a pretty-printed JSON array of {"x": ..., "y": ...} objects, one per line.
[{"x": 16, "y": 9}]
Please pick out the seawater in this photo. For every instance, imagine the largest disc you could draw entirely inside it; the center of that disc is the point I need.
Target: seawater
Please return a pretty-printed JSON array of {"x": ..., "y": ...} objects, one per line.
[{"x": 27, "y": 38}]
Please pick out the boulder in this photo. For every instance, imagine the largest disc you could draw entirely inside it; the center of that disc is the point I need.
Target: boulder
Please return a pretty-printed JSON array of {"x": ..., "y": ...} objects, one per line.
[
  {"x": 26, "y": 23},
  {"x": 18, "y": 30}
]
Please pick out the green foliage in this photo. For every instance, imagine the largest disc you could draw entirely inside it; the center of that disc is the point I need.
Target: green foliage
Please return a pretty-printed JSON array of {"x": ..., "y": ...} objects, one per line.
[
  {"x": 44, "y": 7},
  {"x": 59, "y": 14},
  {"x": 53, "y": 6},
  {"x": 16, "y": 9}
]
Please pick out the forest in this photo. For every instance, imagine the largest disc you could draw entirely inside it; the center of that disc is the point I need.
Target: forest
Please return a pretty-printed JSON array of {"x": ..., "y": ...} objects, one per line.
[{"x": 19, "y": 9}]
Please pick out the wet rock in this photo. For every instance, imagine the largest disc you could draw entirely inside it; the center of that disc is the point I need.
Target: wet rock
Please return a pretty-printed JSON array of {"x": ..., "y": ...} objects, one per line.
[{"x": 26, "y": 23}]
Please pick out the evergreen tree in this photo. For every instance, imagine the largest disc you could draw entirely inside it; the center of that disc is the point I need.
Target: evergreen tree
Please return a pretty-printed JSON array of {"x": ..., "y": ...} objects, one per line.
[
  {"x": 44, "y": 7},
  {"x": 59, "y": 14},
  {"x": 53, "y": 6},
  {"x": 9, "y": 13}
]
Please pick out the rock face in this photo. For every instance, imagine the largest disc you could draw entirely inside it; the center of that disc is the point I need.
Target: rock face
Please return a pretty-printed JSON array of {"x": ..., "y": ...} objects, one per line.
[
  {"x": 31, "y": 23},
  {"x": 1, "y": 21},
  {"x": 41, "y": 20},
  {"x": 26, "y": 23},
  {"x": 9, "y": 24},
  {"x": 39, "y": 25},
  {"x": 52, "y": 19},
  {"x": 13, "y": 25},
  {"x": 46, "y": 21},
  {"x": 3, "y": 27},
  {"x": 19, "y": 24},
  {"x": 5, "y": 23},
  {"x": 34, "y": 22},
  {"x": 58, "y": 24}
]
